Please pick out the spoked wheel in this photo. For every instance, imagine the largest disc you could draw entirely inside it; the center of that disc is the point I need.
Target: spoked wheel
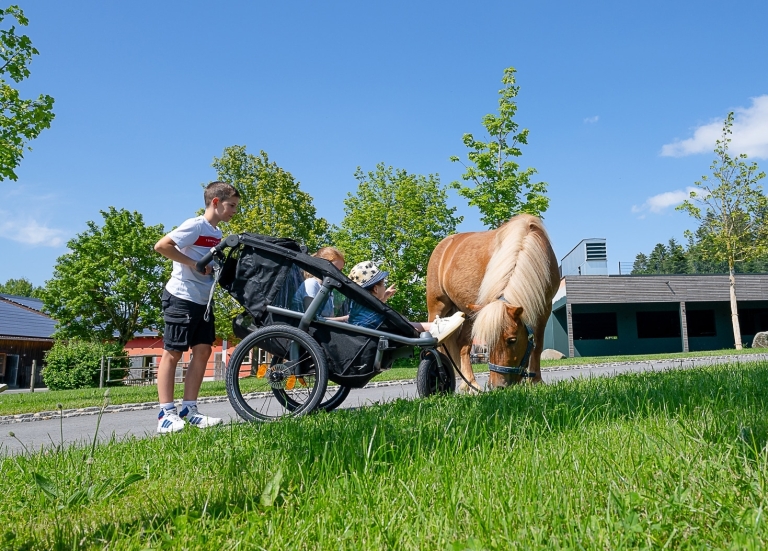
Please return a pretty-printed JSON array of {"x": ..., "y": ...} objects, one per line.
[
  {"x": 334, "y": 396},
  {"x": 276, "y": 371},
  {"x": 433, "y": 379}
]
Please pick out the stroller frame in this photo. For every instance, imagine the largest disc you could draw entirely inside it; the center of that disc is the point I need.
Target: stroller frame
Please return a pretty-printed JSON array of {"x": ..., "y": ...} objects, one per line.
[{"x": 303, "y": 350}]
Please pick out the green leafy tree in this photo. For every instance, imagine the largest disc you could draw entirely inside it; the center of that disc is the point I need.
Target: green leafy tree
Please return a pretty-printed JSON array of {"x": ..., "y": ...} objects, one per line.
[
  {"x": 397, "y": 219},
  {"x": 640, "y": 266},
  {"x": 21, "y": 288},
  {"x": 500, "y": 188},
  {"x": 731, "y": 206},
  {"x": 21, "y": 120},
  {"x": 108, "y": 287},
  {"x": 271, "y": 203}
]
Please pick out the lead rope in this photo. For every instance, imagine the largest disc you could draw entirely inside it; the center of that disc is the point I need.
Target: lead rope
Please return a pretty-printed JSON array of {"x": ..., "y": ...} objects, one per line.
[
  {"x": 457, "y": 370},
  {"x": 216, "y": 276}
]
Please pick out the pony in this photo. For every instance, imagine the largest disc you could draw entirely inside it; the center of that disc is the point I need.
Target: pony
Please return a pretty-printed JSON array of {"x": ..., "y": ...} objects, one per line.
[{"x": 503, "y": 280}]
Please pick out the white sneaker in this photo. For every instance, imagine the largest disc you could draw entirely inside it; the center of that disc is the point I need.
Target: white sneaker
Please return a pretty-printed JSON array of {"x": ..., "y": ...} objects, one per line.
[
  {"x": 442, "y": 327},
  {"x": 3, "y": 387},
  {"x": 169, "y": 421},
  {"x": 194, "y": 417}
]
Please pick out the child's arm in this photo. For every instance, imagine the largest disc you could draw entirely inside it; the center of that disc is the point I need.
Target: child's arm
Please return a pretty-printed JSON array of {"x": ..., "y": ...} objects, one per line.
[{"x": 167, "y": 248}]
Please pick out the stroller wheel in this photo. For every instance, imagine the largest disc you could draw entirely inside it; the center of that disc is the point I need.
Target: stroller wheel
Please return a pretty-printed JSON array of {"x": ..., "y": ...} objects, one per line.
[
  {"x": 432, "y": 379},
  {"x": 276, "y": 371},
  {"x": 334, "y": 396}
]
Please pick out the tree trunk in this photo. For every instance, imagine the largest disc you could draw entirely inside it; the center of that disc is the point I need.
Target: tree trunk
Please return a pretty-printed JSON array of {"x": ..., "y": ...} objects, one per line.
[{"x": 734, "y": 307}]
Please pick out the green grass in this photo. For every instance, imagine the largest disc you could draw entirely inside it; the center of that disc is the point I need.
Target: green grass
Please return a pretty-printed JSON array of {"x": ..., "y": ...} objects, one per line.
[
  {"x": 671, "y": 460},
  {"x": 12, "y": 404}
]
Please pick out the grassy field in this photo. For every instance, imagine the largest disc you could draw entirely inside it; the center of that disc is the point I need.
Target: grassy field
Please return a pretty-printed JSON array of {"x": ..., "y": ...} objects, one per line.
[
  {"x": 11, "y": 404},
  {"x": 672, "y": 460}
]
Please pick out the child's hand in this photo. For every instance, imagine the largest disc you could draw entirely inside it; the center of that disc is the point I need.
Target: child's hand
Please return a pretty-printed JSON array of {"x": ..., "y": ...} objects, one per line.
[{"x": 389, "y": 292}]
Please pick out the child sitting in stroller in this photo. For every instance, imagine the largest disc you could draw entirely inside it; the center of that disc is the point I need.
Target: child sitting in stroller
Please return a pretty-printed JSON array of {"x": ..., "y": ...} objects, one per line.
[{"x": 368, "y": 276}]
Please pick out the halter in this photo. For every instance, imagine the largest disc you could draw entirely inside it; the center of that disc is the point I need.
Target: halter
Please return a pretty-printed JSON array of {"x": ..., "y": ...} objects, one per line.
[{"x": 522, "y": 369}]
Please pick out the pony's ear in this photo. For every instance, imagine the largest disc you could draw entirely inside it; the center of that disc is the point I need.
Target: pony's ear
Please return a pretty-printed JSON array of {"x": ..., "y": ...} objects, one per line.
[
  {"x": 474, "y": 308},
  {"x": 515, "y": 312}
]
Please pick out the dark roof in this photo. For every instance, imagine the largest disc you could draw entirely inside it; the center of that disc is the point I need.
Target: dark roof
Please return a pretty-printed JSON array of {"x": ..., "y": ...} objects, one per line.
[
  {"x": 29, "y": 302},
  {"x": 612, "y": 289},
  {"x": 17, "y": 320}
]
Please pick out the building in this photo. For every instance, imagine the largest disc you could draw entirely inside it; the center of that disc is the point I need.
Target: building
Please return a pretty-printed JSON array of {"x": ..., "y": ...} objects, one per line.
[
  {"x": 146, "y": 348},
  {"x": 605, "y": 315},
  {"x": 25, "y": 336},
  {"x": 589, "y": 257}
]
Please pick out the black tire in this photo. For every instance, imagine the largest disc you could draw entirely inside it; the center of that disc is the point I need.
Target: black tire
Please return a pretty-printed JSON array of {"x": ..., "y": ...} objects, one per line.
[
  {"x": 334, "y": 396},
  {"x": 301, "y": 381},
  {"x": 432, "y": 379}
]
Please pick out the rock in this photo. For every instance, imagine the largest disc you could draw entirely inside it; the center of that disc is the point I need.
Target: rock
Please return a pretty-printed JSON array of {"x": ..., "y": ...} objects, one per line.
[
  {"x": 550, "y": 354},
  {"x": 760, "y": 340}
]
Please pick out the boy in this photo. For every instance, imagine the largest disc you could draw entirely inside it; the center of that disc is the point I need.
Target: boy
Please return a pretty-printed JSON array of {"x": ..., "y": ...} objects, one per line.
[{"x": 185, "y": 299}]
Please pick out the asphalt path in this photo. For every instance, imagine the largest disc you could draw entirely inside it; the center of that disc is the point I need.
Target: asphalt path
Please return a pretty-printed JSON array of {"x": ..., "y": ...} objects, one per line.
[{"x": 32, "y": 436}]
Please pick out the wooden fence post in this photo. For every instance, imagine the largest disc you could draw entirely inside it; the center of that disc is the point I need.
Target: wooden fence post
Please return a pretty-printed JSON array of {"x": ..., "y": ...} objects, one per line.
[
  {"x": 34, "y": 375},
  {"x": 101, "y": 374}
]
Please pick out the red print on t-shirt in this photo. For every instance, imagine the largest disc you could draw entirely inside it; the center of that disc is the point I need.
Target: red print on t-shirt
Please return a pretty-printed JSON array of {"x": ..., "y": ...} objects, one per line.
[{"x": 207, "y": 241}]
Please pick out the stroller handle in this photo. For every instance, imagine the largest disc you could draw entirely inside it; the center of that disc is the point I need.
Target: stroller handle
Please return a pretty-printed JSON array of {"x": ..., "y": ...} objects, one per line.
[{"x": 230, "y": 241}]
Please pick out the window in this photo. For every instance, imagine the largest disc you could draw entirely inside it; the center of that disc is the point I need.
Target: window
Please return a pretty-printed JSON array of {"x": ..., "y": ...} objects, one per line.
[
  {"x": 701, "y": 323},
  {"x": 595, "y": 326},
  {"x": 658, "y": 325},
  {"x": 753, "y": 320}
]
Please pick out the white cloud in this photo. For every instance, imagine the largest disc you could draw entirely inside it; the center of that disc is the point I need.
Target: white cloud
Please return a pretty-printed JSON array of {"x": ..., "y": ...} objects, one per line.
[
  {"x": 659, "y": 203},
  {"x": 29, "y": 231},
  {"x": 750, "y": 134},
  {"x": 27, "y": 225},
  {"x": 592, "y": 120}
]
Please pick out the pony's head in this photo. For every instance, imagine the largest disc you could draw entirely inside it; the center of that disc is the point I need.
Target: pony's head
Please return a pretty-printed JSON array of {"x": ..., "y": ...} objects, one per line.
[{"x": 500, "y": 326}]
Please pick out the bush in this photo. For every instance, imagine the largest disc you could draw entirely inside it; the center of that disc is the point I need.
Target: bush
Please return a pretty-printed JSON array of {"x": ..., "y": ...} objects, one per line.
[{"x": 77, "y": 364}]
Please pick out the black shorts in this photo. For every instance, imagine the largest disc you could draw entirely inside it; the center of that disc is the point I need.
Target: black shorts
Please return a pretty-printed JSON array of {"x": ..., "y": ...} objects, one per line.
[{"x": 184, "y": 324}]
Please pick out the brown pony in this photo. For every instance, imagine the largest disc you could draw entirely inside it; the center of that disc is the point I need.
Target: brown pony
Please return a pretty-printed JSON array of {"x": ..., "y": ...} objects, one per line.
[{"x": 504, "y": 281}]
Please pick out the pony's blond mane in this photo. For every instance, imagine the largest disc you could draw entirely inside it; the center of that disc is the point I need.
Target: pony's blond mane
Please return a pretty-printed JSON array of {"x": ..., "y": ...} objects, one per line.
[{"x": 518, "y": 271}]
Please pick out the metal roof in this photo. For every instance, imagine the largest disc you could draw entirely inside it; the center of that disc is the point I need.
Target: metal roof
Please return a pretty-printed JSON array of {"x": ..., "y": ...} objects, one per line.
[
  {"x": 18, "y": 320},
  {"x": 663, "y": 288},
  {"x": 29, "y": 302}
]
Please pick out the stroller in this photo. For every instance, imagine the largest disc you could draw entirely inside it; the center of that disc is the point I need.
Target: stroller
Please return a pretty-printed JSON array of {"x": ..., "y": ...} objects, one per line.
[{"x": 292, "y": 362}]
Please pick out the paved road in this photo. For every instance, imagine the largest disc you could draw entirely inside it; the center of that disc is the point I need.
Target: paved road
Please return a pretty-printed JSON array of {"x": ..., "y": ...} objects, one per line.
[{"x": 142, "y": 423}]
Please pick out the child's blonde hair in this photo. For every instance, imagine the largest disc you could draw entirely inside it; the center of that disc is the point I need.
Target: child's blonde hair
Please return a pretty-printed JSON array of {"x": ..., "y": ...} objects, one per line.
[{"x": 327, "y": 253}]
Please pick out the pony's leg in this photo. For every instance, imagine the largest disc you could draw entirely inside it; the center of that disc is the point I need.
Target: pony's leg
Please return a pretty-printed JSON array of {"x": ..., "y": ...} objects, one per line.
[
  {"x": 463, "y": 344},
  {"x": 534, "y": 364}
]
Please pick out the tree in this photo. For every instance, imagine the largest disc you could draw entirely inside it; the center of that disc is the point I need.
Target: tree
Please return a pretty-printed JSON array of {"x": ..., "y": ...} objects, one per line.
[
  {"x": 501, "y": 189},
  {"x": 640, "y": 265},
  {"x": 731, "y": 206},
  {"x": 21, "y": 120},
  {"x": 108, "y": 287},
  {"x": 271, "y": 203},
  {"x": 397, "y": 219},
  {"x": 21, "y": 288}
]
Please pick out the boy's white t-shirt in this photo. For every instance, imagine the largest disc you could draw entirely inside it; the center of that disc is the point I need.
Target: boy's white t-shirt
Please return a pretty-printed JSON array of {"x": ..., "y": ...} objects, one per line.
[{"x": 194, "y": 238}]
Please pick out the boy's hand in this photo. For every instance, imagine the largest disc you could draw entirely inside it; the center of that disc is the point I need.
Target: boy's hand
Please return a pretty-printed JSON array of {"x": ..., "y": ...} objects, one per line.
[{"x": 208, "y": 270}]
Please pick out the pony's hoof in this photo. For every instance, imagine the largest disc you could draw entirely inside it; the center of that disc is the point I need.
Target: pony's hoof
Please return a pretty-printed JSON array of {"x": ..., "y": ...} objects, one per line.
[{"x": 472, "y": 388}]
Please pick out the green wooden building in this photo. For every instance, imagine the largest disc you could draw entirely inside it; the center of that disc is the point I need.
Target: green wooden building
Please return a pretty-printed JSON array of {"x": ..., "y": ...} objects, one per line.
[{"x": 604, "y": 315}]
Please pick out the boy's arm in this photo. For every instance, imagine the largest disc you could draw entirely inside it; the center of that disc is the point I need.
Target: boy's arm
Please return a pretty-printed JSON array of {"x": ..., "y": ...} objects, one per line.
[{"x": 167, "y": 248}]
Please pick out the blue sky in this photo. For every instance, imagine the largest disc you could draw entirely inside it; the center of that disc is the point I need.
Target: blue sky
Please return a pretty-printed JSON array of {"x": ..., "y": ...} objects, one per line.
[{"x": 621, "y": 99}]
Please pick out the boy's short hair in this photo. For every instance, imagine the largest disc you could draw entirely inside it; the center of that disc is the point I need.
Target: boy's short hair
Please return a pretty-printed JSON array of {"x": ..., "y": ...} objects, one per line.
[{"x": 222, "y": 190}]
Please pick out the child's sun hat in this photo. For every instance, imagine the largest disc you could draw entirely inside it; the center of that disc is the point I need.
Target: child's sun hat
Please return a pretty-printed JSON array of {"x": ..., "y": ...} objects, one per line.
[{"x": 367, "y": 274}]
